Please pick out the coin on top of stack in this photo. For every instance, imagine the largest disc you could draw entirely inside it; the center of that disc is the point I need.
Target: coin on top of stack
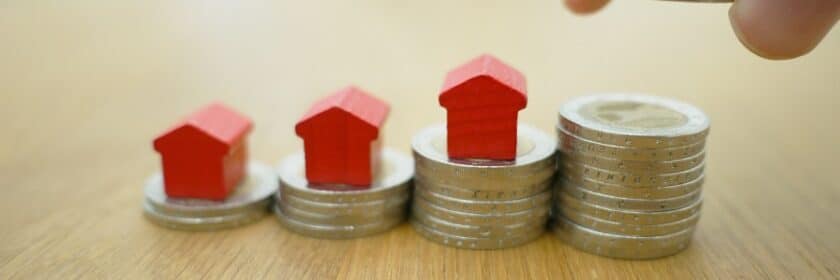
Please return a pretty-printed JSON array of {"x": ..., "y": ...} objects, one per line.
[
  {"x": 631, "y": 170},
  {"x": 344, "y": 185},
  {"x": 482, "y": 204}
]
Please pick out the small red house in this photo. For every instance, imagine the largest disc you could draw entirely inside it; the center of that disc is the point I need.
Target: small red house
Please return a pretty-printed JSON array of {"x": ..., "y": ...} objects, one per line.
[
  {"x": 340, "y": 135},
  {"x": 204, "y": 156},
  {"x": 482, "y": 99}
]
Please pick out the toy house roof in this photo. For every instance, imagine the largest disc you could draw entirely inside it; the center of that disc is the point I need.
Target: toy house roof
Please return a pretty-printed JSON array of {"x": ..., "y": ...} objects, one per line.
[
  {"x": 360, "y": 105},
  {"x": 474, "y": 75},
  {"x": 216, "y": 121}
]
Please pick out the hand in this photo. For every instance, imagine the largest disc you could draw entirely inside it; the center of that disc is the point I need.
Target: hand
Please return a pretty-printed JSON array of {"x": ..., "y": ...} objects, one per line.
[{"x": 774, "y": 29}]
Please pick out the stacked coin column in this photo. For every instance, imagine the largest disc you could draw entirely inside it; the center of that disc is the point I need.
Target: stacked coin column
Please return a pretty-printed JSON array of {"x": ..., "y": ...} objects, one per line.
[
  {"x": 482, "y": 204},
  {"x": 631, "y": 173},
  {"x": 482, "y": 180},
  {"x": 344, "y": 184},
  {"x": 340, "y": 214}
]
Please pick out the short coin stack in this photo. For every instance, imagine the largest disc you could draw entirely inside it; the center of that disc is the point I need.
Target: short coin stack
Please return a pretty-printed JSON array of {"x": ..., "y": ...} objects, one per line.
[
  {"x": 631, "y": 173},
  {"x": 482, "y": 204},
  {"x": 339, "y": 214},
  {"x": 249, "y": 202}
]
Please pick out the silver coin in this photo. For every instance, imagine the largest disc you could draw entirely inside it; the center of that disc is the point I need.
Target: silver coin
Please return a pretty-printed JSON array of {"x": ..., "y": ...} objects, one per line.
[
  {"x": 471, "y": 242},
  {"x": 631, "y": 179},
  {"x": 204, "y": 223},
  {"x": 347, "y": 208},
  {"x": 484, "y": 207},
  {"x": 534, "y": 161},
  {"x": 635, "y": 192},
  {"x": 627, "y": 203},
  {"x": 535, "y": 217},
  {"x": 396, "y": 171},
  {"x": 538, "y": 214},
  {"x": 342, "y": 219},
  {"x": 475, "y": 184},
  {"x": 628, "y": 229},
  {"x": 513, "y": 193},
  {"x": 257, "y": 186},
  {"x": 622, "y": 246},
  {"x": 335, "y": 231},
  {"x": 634, "y": 217},
  {"x": 633, "y": 120},
  {"x": 253, "y": 194},
  {"x": 455, "y": 177},
  {"x": 569, "y": 142},
  {"x": 631, "y": 166},
  {"x": 488, "y": 231}
]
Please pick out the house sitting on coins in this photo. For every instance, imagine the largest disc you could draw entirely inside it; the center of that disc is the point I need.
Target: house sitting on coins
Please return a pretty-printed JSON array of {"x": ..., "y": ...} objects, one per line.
[
  {"x": 482, "y": 100},
  {"x": 340, "y": 139},
  {"x": 204, "y": 156}
]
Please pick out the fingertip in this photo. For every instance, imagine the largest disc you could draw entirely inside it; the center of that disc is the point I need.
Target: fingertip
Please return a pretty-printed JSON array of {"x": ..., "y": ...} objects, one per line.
[
  {"x": 747, "y": 41},
  {"x": 584, "y": 7},
  {"x": 782, "y": 29}
]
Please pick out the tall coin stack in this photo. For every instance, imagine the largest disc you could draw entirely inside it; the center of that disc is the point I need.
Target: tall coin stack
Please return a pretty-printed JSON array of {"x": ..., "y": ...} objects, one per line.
[
  {"x": 631, "y": 173},
  {"x": 481, "y": 204},
  {"x": 339, "y": 214}
]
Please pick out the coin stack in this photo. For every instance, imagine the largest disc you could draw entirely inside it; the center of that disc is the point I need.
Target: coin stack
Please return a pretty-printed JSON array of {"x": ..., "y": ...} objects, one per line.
[
  {"x": 249, "y": 202},
  {"x": 480, "y": 204},
  {"x": 631, "y": 173},
  {"x": 350, "y": 213}
]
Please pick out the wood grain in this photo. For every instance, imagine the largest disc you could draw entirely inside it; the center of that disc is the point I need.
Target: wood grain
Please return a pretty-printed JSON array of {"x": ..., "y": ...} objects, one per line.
[{"x": 86, "y": 85}]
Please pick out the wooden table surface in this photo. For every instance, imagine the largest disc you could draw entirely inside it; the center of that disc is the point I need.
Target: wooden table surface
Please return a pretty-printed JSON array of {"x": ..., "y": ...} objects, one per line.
[{"x": 86, "y": 85}]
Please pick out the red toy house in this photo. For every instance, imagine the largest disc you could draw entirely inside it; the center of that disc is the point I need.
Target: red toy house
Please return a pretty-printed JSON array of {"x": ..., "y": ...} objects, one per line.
[
  {"x": 482, "y": 99},
  {"x": 340, "y": 138},
  {"x": 204, "y": 156}
]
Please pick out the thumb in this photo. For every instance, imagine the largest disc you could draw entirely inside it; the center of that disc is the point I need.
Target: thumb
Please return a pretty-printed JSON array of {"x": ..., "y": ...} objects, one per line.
[
  {"x": 585, "y": 6},
  {"x": 783, "y": 29}
]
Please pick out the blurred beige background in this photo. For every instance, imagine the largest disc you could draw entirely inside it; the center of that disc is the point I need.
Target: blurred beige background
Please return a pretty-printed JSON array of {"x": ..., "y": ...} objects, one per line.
[{"x": 86, "y": 85}]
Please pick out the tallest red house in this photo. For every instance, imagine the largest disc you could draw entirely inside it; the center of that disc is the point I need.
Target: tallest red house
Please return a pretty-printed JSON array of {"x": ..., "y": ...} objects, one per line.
[{"x": 482, "y": 100}]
